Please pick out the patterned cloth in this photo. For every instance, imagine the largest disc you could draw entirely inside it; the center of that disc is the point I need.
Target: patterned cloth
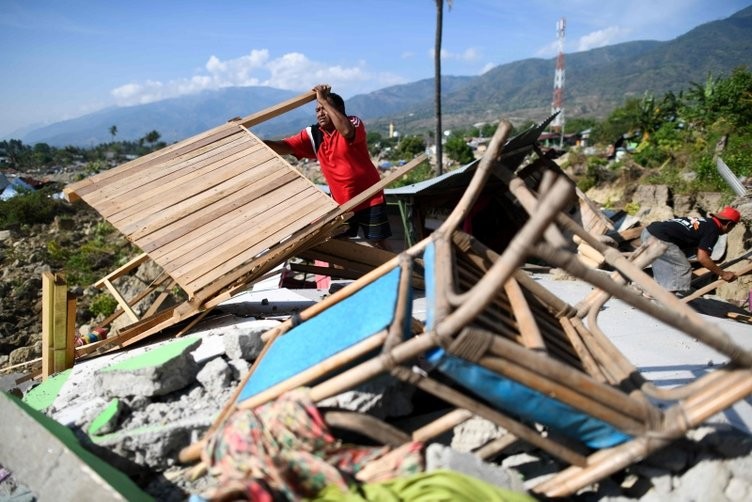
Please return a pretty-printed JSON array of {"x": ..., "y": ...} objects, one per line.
[{"x": 283, "y": 450}]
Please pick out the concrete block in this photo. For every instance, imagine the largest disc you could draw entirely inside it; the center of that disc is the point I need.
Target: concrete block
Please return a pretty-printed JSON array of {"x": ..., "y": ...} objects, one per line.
[
  {"x": 215, "y": 375},
  {"x": 381, "y": 397},
  {"x": 239, "y": 345},
  {"x": 474, "y": 433},
  {"x": 154, "y": 373},
  {"x": 443, "y": 457}
]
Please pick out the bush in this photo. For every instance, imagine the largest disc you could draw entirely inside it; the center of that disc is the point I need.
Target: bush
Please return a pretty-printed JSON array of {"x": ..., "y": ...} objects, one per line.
[
  {"x": 103, "y": 304},
  {"x": 29, "y": 208}
]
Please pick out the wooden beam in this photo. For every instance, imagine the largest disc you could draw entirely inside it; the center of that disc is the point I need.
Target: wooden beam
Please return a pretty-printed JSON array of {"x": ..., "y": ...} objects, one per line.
[
  {"x": 531, "y": 335},
  {"x": 273, "y": 111},
  {"x": 121, "y": 271},
  {"x": 121, "y": 301},
  {"x": 58, "y": 324},
  {"x": 739, "y": 271}
]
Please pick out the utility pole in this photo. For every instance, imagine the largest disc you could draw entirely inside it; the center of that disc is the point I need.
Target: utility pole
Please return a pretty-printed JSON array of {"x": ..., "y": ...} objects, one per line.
[{"x": 558, "y": 101}]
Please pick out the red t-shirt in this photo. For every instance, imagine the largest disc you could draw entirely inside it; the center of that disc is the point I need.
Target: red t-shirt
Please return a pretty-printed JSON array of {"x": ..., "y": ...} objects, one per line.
[{"x": 346, "y": 166}]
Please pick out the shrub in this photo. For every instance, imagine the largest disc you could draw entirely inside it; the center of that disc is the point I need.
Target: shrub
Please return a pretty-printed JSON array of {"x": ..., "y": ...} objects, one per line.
[
  {"x": 103, "y": 304},
  {"x": 29, "y": 208}
]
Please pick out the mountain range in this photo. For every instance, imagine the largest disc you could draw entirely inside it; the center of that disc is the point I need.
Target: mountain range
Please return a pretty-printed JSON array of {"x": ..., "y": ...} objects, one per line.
[{"x": 597, "y": 81}]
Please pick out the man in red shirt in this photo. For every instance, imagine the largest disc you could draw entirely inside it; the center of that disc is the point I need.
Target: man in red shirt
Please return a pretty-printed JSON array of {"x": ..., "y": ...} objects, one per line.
[{"x": 338, "y": 142}]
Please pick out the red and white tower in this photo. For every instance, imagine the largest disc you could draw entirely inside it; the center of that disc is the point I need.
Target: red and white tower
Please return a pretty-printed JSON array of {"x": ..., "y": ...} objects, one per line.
[{"x": 558, "y": 101}]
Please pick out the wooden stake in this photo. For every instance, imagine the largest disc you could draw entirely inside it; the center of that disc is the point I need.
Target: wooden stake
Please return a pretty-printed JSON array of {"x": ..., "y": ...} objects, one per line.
[{"x": 58, "y": 325}]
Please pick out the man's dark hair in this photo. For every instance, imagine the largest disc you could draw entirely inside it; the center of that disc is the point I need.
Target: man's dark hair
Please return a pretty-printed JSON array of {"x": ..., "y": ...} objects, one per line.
[{"x": 337, "y": 101}]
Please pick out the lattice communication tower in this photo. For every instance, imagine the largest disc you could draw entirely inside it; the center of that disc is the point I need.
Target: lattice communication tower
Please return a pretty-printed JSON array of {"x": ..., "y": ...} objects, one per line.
[{"x": 557, "y": 105}]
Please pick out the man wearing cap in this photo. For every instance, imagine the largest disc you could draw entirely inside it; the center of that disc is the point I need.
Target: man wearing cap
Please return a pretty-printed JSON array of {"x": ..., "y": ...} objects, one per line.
[{"x": 685, "y": 237}]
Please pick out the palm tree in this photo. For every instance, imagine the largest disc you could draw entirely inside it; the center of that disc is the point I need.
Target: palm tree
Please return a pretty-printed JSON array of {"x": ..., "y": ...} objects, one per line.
[
  {"x": 113, "y": 131},
  {"x": 437, "y": 80},
  {"x": 152, "y": 137}
]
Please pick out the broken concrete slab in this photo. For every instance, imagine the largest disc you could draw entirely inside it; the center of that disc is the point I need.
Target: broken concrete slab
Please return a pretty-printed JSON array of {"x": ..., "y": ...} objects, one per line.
[
  {"x": 238, "y": 337},
  {"x": 382, "y": 397},
  {"x": 153, "y": 373},
  {"x": 215, "y": 375},
  {"x": 443, "y": 457},
  {"x": 46, "y": 456}
]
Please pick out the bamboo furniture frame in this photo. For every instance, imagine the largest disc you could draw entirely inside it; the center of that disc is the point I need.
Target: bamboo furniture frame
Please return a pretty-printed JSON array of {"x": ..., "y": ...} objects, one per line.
[{"x": 485, "y": 311}]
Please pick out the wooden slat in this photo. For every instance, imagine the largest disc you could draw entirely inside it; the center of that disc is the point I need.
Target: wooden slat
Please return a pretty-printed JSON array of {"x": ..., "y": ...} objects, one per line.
[
  {"x": 530, "y": 334},
  {"x": 223, "y": 193},
  {"x": 163, "y": 241},
  {"x": 48, "y": 326},
  {"x": 120, "y": 300},
  {"x": 212, "y": 233},
  {"x": 121, "y": 271},
  {"x": 184, "y": 200},
  {"x": 191, "y": 180},
  {"x": 132, "y": 179},
  {"x": 296, "y": 217}
]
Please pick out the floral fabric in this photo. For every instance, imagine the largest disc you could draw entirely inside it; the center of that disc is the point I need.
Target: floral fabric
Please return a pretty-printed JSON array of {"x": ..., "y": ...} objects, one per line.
[{"x": 283, "y": 450}]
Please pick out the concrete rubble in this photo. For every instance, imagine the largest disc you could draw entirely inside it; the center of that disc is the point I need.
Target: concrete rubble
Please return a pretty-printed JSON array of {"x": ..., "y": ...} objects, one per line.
[{"x": 137, "y": 409}]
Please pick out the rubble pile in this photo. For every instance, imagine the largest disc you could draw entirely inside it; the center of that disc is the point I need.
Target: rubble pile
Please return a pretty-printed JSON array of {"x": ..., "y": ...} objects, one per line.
[{"x": 136, "y": 410}]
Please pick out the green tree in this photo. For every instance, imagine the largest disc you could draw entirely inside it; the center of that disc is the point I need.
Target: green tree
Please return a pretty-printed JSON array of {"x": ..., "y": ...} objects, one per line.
[
  {"x": 41, "y": 155},
  {"x": 16, "y": 151},
  {"x": 458, "y": 149},
  {"x": 409, "y": 147},
  {"x": 152, "y": 137},
  {"x": 375, "y": 143},
  {"x": 113, "y": 131},
  {"x": 623, "y": 120},
  {"x": 578, "y": 124}
]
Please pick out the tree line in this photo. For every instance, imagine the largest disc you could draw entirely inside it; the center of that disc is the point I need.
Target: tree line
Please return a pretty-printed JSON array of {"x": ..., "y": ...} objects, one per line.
[{"x": 41, "y": 155}]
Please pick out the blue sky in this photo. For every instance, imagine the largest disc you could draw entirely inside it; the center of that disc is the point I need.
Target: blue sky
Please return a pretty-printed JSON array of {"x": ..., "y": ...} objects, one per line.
[{"x": 62, "y": 59}]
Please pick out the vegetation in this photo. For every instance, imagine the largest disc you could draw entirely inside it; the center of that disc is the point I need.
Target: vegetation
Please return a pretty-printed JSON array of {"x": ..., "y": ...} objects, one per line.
[
  {"x": 30, "y": 208},
  {"x": 678, "y": 136},
  {"x": 103, "y": 304},
  {"x": 82, "y": 264},
  {"x": 42, "y": 157}
]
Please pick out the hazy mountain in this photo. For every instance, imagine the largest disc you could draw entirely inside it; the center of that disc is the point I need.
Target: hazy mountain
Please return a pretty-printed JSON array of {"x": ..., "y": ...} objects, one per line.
[
  {"x": 596, "y": 82},
  {"x": 175, "y": 118}
]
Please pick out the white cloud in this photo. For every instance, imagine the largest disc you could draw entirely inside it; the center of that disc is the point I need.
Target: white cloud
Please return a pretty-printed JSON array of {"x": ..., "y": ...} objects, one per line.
[
  {"x": 487, "y": 67},
  {"x": 601, "y": 38},
  {"x": 291, "y": 71}
]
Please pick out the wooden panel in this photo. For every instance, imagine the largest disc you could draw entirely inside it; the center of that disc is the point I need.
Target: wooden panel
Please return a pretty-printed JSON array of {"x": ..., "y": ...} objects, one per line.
[
  {"x": 207, "y": 205},
  {"x": 294, "y": 217},
  {"x": 132, "y": 181},
  {"x": 210, "y": 233},
  {"x": 222, "y": 212},
  {"x": 179, "y": 185},
  {"x": 225, "y": 192}
]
